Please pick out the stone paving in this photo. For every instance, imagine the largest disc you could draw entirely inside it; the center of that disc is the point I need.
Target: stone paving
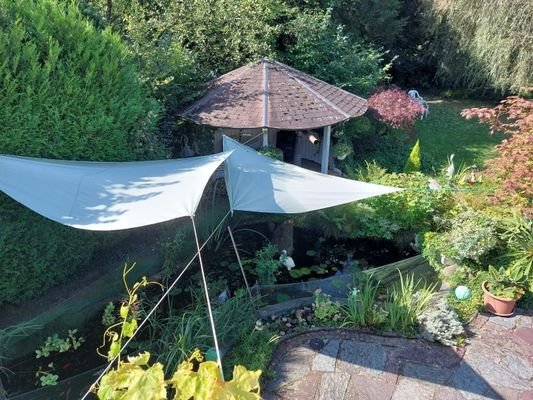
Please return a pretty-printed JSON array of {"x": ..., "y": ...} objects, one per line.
[{"x": 497, "y": 363}]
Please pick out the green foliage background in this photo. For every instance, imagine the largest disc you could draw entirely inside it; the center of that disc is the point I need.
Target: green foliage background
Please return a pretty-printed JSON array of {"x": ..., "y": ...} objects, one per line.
[
  {"x": 68, "y": 91},
  {"x": 481, "y": 45}
]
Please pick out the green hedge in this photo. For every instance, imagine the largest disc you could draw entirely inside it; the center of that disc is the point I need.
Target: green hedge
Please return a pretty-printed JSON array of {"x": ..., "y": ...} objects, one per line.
[{"x": 67, "y": 91}]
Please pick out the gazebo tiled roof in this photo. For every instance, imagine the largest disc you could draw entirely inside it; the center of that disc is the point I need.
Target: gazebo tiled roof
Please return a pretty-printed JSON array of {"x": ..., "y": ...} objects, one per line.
[{"x": 269, "y": 94}]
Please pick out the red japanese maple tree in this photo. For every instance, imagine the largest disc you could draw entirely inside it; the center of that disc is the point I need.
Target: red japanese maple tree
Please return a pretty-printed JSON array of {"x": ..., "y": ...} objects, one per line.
[
  {"x": 513, "y": 166},
  {"x": 394, "y": 108}
]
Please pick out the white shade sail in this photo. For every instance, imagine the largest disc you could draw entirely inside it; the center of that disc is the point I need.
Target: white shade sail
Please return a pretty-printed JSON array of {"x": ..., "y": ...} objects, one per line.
[
  {"x": 104, "y": 196},
  {"x": 258, "y": 183}
]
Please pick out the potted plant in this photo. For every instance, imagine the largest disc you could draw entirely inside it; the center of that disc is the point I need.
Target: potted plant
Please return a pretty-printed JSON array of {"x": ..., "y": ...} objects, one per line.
[
  {"x": 342, "y": 150},
  {"x": 502, "y": 289}
]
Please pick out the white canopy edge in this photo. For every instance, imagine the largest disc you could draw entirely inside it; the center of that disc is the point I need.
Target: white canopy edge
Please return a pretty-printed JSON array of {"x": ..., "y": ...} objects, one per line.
[
  {"x": 258, "y": 183},
  {"x": 105, "y": 196}
]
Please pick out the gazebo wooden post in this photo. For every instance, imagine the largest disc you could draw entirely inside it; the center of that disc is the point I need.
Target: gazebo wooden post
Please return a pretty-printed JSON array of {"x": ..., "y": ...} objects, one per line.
[
  {"x": 326, "y": 139},
  {"x": 265, "y": 137}
]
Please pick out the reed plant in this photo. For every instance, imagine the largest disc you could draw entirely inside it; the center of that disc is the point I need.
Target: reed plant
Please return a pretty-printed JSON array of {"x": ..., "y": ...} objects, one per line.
[
  {"x": 176, "y": 335},
  {"x": 361, "y": 308},
  {"x": 406, "y": 301}
]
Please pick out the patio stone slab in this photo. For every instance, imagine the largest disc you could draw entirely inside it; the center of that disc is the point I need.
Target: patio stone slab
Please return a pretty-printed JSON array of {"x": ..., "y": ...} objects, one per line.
[
  {"x": 327, "y": 357},
  {"x": 333, "y": 386},
  {"x": 413, "y": 389},
  {"x": 366, "y": 388},
  {"x": 497, "y": 363},
  {"x": 359, "y": 358}
]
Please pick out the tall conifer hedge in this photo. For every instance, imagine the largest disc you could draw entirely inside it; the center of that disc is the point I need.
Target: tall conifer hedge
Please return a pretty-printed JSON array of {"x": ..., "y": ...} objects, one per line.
[{"x": 67, "y": 91}]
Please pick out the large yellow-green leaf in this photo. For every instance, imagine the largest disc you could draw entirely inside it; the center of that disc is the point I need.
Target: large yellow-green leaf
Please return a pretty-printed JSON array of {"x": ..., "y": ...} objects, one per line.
[{"x": 133, "y": 382}]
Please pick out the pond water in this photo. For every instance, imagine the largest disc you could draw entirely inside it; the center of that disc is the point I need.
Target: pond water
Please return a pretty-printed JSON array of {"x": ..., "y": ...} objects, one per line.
[{"x": 24, "y": 374}]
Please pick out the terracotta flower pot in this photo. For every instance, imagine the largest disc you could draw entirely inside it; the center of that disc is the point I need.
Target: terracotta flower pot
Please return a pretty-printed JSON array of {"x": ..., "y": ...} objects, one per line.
[{"x": 497, "y": 305}]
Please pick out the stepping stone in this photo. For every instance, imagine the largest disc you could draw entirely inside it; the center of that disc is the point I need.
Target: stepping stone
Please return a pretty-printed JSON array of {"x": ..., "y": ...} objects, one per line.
[
  {"x": 289, "y": 369},
  {"x": 506, "y": 322},
  {"x": 496, "y": 374}
]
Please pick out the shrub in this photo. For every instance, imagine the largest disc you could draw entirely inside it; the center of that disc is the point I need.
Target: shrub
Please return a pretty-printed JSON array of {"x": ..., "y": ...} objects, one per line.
[
  {"x": 69, "y": 91},
  {"x": 411, "y": 210},
  {"x": 470, "y": 236},
  {"x": 36, "y": 253},
  {"x": 394, "y": 108},
  {"x": 513, "y": 167},
  {"x": 413, "y": 162},
  {"x": 441, "y": 323},
  {"x": 414, "y": 208}
]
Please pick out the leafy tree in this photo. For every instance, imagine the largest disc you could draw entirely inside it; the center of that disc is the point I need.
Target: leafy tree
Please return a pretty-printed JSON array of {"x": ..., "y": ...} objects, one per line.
[
  {"x": 513, "y": 166},
  {"x": 317, "y": 45},
  {"x": 394, "y": 108},
  {"x": 482, "y": 45},
  {"x": 225, "y": 34},
  {"x": 377, "y": 21},
  {"x": 180, "y": 45},
  {"x": 68, "y": 91},
  {"x": 413, "y": 163}
]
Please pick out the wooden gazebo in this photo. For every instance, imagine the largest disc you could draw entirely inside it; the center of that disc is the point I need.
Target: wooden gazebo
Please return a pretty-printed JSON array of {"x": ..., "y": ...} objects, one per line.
[{"x": 277, "y": 99}]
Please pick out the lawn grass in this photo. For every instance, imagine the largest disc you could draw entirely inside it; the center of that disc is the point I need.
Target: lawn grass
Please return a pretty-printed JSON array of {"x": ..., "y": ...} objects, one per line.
[{"x": 445, "y": 132}]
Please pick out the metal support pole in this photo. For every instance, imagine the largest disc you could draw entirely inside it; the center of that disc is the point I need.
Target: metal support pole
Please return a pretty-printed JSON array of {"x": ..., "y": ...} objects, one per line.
[
  {"x": 240, "y": 263},
  {"x": 209, "y": 310}
]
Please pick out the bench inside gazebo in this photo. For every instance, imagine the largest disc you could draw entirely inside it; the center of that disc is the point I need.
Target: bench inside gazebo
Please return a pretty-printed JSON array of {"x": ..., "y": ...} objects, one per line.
[{"x": 268, "y": 103}]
